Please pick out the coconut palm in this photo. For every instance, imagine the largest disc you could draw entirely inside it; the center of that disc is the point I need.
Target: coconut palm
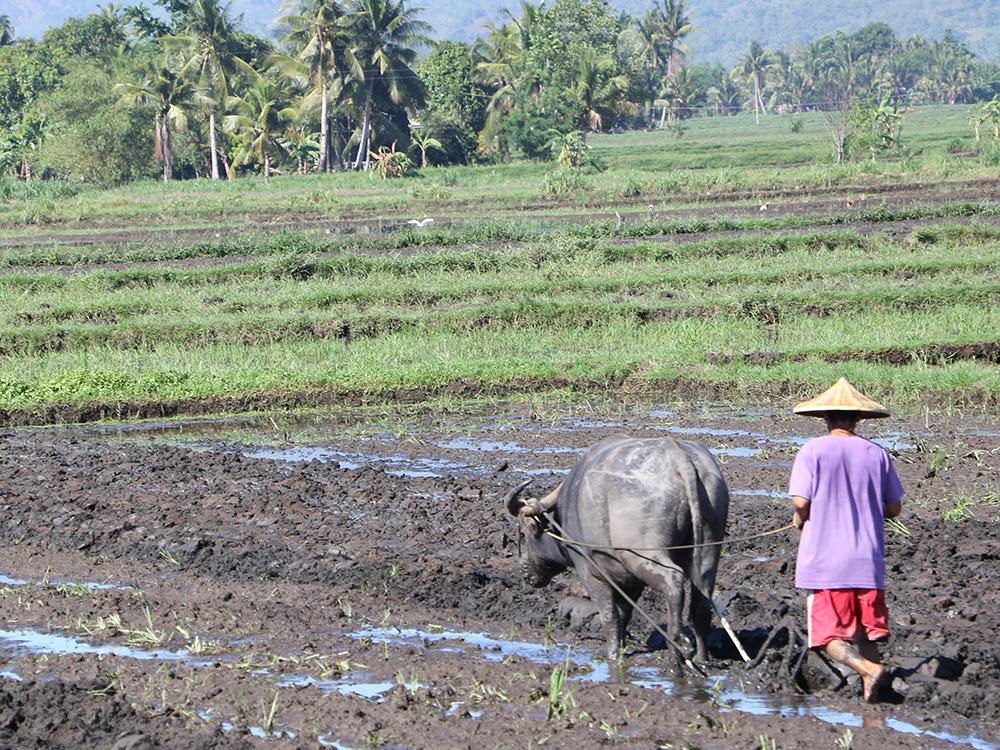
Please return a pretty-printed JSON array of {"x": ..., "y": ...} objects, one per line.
[
  {"x": 646, "y": 39},
  {"x": 525, "y": 24},
  {"x": 383, "y": 35},
  {"x": 260, "y": 120},
  {"x": 753, "y": 68},
  {"x": 677, "y": 24},
  {"x": 208, "y": 31},
  {"x": 6, "y": 31},
  {"x": 168, "y": 93},
  {"x": 599, "y": 90},
  {"x": 316, "y": 33}
]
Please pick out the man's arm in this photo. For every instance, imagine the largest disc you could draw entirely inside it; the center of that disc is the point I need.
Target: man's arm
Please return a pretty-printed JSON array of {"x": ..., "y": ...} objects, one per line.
[
  {"x": 802, "y": 510},
  {"x": 894, "y": 509}
]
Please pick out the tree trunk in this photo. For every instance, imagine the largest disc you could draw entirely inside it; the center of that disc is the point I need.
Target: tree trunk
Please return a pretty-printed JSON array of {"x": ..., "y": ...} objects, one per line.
[
  {"x": 158, "y": 140},
  {"x": 324, "y": 133},
  {"x": 211, "y": 140},
  {"x": 267, "y": 168},
  {"x": 365, "y": 126},
  {"x": 756, "y": 97},
  {"x": 168, "y": 152}
]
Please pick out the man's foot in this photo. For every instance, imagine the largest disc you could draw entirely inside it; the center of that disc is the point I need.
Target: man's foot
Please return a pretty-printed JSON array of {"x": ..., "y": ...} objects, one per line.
[{"x": 872, "y": 681}]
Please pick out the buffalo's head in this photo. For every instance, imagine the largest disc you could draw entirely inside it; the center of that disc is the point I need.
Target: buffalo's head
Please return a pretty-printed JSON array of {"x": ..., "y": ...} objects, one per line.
[{"x": 542, "y": 556}]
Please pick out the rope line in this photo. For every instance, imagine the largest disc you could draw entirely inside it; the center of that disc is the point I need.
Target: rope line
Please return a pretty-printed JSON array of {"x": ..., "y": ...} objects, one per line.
[{"x": 665, "y": 549}]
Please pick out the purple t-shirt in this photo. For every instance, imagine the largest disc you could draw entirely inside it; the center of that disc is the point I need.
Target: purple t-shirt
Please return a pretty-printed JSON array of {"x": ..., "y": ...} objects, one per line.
[{"x": 848, "y": 481}]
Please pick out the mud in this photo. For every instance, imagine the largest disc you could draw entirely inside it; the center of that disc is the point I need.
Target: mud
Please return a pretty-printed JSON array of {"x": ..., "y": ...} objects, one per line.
[{"x": 351, "y": 580}]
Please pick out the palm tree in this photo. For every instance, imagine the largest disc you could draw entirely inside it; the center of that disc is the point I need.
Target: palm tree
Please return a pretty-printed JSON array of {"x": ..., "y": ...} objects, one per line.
[
  {"x": 316, "y": 33},
  {"x": 599, "y": 91},
  {"x": 645, "y": 37},
  {"x": 682, "y": 94},
  {"x": 753, "y": 67},
  {"x": 525, "y": 24},
  {"x": 168, "y": 93},
  {"x": 261, "y": 117},
  {"x": 382, "y": 36},
  {"x": 207, "y": 34},
  {"x": 676, "y": 25},
  {"x": 6, "y": 31},
  {"x": 498, "y": 53}
]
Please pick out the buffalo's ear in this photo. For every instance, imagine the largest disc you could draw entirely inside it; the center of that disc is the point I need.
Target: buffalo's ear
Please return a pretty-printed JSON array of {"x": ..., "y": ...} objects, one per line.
[{"x": 514, "y": 505}]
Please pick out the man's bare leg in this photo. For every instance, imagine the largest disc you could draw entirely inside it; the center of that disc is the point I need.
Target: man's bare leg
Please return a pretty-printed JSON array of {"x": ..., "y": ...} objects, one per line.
[{"x": 864, "y": 659}]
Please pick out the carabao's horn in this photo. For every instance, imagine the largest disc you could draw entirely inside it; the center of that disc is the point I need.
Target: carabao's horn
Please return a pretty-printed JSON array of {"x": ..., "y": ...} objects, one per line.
[{"x": 514, "y": 505}]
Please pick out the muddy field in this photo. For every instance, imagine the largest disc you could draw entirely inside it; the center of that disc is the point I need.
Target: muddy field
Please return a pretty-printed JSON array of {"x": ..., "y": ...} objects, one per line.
[{"x": 336, "y": 581}]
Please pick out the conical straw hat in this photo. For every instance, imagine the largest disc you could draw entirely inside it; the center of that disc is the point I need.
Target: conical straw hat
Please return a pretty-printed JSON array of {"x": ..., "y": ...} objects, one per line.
[{"x": 842, "y": 396}]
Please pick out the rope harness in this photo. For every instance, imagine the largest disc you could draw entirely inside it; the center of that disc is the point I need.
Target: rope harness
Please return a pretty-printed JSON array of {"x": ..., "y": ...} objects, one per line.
[
  {"x": 584, "y": 550},
  {"x": 637, "y": 550}
]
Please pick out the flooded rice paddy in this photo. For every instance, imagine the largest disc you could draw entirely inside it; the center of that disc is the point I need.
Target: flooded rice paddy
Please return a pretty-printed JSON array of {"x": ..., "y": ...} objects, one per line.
[{"x": 344, "y": 580}]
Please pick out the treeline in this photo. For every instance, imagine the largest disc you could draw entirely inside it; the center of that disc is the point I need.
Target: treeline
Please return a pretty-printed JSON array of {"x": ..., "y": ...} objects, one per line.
[{"x": 127, "y": 94}]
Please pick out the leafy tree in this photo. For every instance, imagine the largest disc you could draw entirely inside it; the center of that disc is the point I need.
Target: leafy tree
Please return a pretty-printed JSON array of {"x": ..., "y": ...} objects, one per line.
[
  {"x": 89, "y": 137},
  {"x": 456, "y": 100},
  {"x": 20, "y": 142},
  {"x": 875, "y": 40},
  {"x": 676, "y": 25},
  {"x": 383, "y": 35},
  {"x": 722, "y": 92},
  {"x": 144, "y": 23},
  {"x": 682, "y": 94},
  {"x": 873, "y": 128},
  {"x": 422, "y": 141},
  {"x": 89, "y": 37}
]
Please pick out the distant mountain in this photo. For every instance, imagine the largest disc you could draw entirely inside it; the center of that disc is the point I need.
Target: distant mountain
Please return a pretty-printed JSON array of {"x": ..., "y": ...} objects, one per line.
[{"x": 725, "y": 27}]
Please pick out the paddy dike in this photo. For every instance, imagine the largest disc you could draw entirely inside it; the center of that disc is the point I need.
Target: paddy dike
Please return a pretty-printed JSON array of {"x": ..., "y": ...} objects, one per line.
[{"x": 339, "y": 580}]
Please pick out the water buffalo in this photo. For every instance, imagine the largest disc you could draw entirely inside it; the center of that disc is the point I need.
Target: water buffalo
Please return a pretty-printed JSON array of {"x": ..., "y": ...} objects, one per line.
[{"x": 623, "y": 503}]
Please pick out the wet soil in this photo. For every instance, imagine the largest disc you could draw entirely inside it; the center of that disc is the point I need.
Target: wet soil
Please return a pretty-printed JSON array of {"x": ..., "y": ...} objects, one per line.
[{"x": 342, "y": 581}]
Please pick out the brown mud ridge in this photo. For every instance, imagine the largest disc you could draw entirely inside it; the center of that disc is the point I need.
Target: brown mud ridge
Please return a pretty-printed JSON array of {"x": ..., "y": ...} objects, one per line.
[{"x": 357, "y": 585}]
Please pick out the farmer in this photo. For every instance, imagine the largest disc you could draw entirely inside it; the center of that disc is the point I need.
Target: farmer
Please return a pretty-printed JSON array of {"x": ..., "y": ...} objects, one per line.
[{"x": 843, "y": 487}]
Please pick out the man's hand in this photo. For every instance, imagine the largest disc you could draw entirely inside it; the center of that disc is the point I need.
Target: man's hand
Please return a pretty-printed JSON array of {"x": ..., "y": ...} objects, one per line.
[{"x": 797, "y": 520}]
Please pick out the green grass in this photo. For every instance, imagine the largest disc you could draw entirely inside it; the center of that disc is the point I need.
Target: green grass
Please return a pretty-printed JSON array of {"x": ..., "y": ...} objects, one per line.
[
  {"x": 564, "y": 311},
  {"x": 519, "y": 294}
]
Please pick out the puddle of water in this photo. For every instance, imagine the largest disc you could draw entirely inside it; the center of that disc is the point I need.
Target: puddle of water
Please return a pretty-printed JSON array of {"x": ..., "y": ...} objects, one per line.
[
  {"x": 787, "y": 707},
  {"x": 735, "y": 451},
  {"x": 332, "y": 743},
  {"x": 398, "y": 464},
  {"x": 802, "y": 706},
  {"x": 33, "y": 642},
  {"x": 759, "y": 493},
  {"x": 57, "y": 583},
  {"x": 354, "y": 685}
]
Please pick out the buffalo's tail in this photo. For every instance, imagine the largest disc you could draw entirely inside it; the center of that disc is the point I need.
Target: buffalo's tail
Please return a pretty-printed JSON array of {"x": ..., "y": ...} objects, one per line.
[{"x": 689, "y": 475}]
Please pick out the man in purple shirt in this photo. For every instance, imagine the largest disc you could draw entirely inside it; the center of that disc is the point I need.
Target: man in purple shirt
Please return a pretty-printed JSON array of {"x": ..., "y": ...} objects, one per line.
[{"x": 843, "y": 488}]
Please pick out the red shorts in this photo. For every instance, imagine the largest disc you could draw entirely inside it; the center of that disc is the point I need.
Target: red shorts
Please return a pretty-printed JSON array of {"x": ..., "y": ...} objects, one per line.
[{"x": 847, "y": 614}]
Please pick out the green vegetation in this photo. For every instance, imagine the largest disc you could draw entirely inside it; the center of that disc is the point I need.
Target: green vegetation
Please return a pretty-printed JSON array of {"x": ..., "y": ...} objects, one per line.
[
  {"x": 507, "y": 305},
  {"x": 126, "y": 94}
]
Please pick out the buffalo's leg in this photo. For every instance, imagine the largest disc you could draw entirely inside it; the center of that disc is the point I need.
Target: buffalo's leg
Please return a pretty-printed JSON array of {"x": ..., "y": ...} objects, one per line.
[
  {"x": 615, "y": 610},
  {"x": 667, "y": 577}
]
